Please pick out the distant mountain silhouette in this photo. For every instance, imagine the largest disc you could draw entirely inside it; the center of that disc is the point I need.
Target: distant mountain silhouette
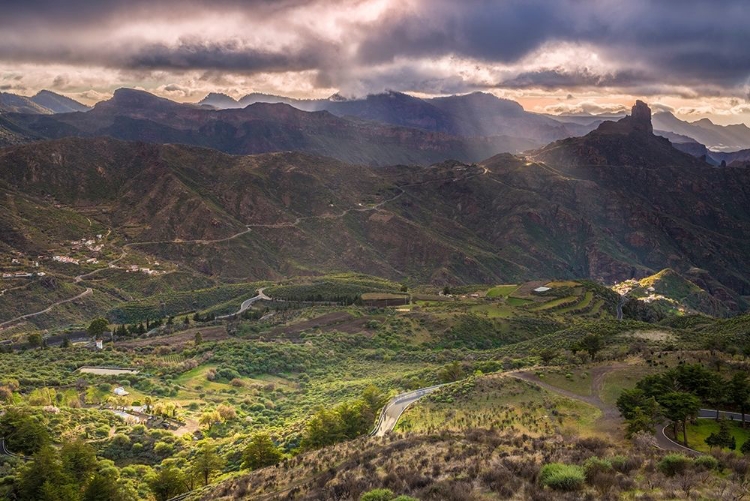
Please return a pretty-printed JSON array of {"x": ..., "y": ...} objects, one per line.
[{"x": 260, "y": 128}]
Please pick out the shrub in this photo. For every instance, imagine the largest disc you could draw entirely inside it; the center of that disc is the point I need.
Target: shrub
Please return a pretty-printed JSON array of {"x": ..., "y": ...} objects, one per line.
[
  {"x": 706, "y": 463},
  {"x": 624, "y": 464},
  {"x": 562, "y": 477},
  {"x": 227, "y": 373},
  {"x": 594, "y": 465},
  {"x": 673, "y": 464},
  {"x": 121, "y": 440},
  {"x": 163, "y": 448},
  {"x": 377, "y": 495}
]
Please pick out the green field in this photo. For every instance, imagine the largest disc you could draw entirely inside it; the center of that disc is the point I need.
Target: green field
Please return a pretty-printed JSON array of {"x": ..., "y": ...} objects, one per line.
[
  {"x": 577, "y": 381},
  {"x": 702, "y": 428},
  {"x": 518, "y": 301},
  {"x": 501, "y": 291},
  {"x": 623, "y": 379},
  {"x": 493, "y": 310},
  {"x": 555, "y": 303}
]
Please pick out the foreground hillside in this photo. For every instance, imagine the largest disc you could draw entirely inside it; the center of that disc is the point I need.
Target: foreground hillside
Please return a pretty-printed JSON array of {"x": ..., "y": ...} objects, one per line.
[{"x": 277, "y": 402}]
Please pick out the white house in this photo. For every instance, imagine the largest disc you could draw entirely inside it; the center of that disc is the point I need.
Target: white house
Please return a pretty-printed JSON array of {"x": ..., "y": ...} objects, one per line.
[{"x": 121, "y": 392}]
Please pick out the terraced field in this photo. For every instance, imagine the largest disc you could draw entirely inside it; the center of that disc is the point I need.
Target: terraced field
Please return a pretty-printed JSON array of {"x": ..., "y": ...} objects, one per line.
[
  {"x": 581, "y": 305},
  {"x": 580, "y": 302},
  {"x": 502, "y": 291}
]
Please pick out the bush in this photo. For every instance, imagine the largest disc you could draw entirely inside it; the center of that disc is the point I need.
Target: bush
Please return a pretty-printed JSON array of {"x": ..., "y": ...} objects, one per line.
[
  {"x": 163, "y": 448},
  {"x": 706, "y": 463},
  {"x": 673, "y": 464},
  {"x": 377, "y": 495},
  {"x": 595, "y": 465},
  {"x": 625, "y": 464},
  {"x": 227, "y": 373},
  {"x": 562, "y": 477}
]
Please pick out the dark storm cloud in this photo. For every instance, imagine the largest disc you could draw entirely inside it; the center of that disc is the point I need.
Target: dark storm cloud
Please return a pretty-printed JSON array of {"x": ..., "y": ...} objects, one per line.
[
  {"x": 703, "y": 41},
  {"x": 485, "y": 30},
  {"x": 646, "y": 43},
  {"x": 229, "y": 55},
  {"x": 562, "y": 78},
  {"x": 69, "y": 13}
]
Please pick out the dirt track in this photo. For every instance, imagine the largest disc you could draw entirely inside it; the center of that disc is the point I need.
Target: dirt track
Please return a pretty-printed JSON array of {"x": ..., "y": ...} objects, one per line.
[{"x": 610, "y": 415}]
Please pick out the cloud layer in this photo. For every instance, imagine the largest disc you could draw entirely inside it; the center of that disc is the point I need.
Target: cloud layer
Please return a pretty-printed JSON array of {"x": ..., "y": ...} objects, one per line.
[{"x": 685, "y": 48}]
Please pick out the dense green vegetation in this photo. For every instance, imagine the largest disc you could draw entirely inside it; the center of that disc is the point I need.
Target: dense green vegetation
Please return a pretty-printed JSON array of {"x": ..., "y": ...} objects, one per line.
[{"x": 216, "y": 398}]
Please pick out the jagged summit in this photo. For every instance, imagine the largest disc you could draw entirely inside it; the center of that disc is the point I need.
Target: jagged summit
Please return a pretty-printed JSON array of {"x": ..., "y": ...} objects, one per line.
[
  {"x": 639, "y": 120},
  {"x": 640, "y": 117}
]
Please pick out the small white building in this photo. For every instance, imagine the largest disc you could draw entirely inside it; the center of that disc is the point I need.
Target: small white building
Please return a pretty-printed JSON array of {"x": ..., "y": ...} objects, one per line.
[
  {"x": 121, "y": 392},
  {"x": 542, "y": 289}
]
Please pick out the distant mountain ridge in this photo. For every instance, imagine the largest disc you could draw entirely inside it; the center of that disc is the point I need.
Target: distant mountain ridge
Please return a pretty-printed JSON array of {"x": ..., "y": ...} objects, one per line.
[
  {"x": 260, "y": 128},
  {"x": 720, "y": 138},
  {"x": 58, "y": 103},
  {"x": 470, "y": 115},
  {"x": 44, "y": 102},
  {"x": 618, "y": 203},
  {"x": 12, "y": 103}
]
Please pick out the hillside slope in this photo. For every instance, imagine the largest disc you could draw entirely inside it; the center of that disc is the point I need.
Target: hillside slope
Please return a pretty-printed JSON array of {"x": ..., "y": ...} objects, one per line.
[{"x": 281, "y": 214}]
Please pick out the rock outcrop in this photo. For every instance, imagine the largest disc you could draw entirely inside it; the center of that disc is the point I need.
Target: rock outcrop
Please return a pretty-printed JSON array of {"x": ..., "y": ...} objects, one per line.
[{"x": 640, "y": 117}]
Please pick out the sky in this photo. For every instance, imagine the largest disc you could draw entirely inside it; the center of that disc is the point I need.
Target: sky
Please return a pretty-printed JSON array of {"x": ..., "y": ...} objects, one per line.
[{"x": 555, "y": 56}]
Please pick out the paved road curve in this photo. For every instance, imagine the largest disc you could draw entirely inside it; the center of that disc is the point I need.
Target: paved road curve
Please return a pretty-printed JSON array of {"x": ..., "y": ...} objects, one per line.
[
  {"x": 620, "y": 304},
  {"x": 393, "y": 409},
  {"x": 248, "y": 303},
  {"x": 732, "y": 416},
  {"x": 667, "y": 443}
]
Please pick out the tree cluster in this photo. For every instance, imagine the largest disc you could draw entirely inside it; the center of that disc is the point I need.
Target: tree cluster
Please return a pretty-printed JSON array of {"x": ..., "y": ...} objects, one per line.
[
  {"x": 345, "y": 421},
  {"x": 678, "y": 394}
]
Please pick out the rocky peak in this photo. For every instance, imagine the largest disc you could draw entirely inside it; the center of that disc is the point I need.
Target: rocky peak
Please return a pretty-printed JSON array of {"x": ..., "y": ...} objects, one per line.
[
  {"x": 641, "y": 117},
  {"x": 639, "y": 120}
]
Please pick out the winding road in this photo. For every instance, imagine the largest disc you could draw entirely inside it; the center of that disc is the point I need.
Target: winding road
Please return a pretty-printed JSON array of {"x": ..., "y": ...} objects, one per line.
[
  {"x": 620, "y": 304},
  {"x": 7, "y": 323},
  {"x": 392, "y": 411},
  {"x": 5, "y": 452},
  {"x": 247, "y": 304}
]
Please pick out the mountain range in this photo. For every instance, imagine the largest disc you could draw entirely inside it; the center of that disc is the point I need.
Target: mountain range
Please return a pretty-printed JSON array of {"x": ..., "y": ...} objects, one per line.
[
  {"x": 719, "y": 138},
  {"x": 478, "y": 122},
  {"x": 44, "y": 102},
  {"x": 260, "y": 128},
  {"x": 471, "y": 115},
  {"x": 617, "y": 203}
]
